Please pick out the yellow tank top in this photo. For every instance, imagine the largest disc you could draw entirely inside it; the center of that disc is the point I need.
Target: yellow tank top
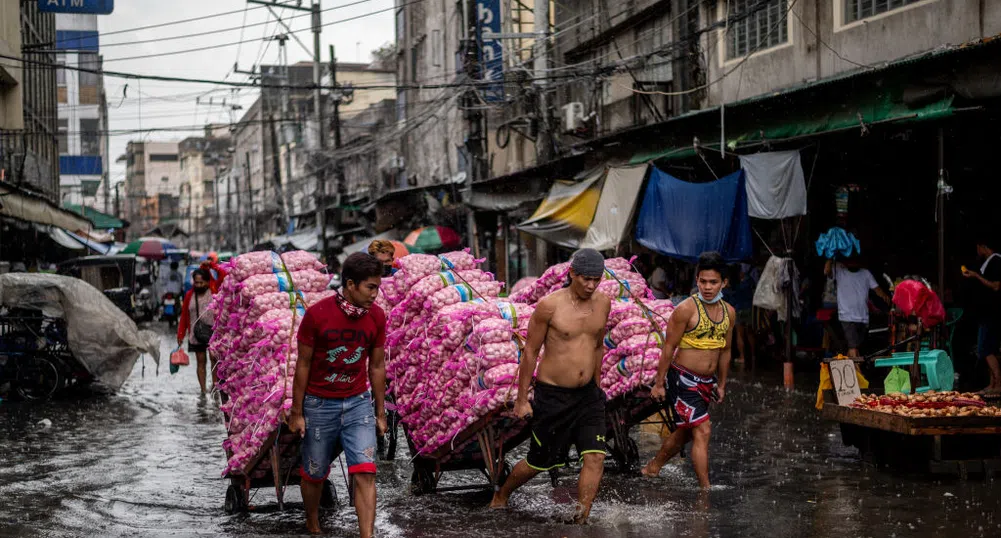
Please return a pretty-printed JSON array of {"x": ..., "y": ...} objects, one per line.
[{"x": 706, "y": 334}]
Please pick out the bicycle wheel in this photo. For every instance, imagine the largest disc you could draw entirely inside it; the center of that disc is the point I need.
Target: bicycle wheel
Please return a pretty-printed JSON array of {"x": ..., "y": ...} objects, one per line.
[{"x": 37, "y": 378}]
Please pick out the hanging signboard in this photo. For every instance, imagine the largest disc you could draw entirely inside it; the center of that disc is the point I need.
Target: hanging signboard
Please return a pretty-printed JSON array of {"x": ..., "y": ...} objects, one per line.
[
  {"x": 91, "y": 7},
  {"x": 491, "y": 55}
]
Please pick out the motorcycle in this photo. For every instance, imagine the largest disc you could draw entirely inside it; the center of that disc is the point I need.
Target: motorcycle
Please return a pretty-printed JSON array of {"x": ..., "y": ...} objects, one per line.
[{"x": 169, "y": 309}]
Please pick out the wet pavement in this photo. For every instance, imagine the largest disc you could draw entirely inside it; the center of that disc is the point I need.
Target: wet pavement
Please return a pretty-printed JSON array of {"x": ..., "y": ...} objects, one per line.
[{"x": 147, "y": 461}]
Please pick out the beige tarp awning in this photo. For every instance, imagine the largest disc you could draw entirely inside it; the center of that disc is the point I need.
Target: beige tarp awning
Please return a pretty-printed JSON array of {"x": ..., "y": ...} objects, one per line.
[
  {"x": 615, "y": 207},
  {"x": 19, "y": 204}
]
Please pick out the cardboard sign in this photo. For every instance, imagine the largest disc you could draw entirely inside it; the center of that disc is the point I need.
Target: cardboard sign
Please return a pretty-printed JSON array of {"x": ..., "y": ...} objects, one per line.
[{"x": 845, "y": 381}]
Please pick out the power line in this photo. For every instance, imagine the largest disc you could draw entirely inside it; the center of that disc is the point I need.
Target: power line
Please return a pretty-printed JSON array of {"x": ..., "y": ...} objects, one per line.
[
  {"x": 163, "y": 24},
  {"x": 224, "y": 45},
  {"x": 242, "y": 27}
]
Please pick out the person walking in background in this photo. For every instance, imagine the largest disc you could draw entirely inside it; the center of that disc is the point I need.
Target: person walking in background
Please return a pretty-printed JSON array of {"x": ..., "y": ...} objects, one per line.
[
  {"x": 853, "y": 284},
  {"x": 658, "y": 280},
  {"x": 215, "y": 271},
  {"x": 195, "y": 309},
  {"x": 740, "y": 295},
  {"x": 989, "y": 330},
  {"x": 385, "y": 252}
]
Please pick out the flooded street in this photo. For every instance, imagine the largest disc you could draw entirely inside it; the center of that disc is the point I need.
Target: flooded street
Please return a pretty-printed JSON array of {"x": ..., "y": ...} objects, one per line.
[{"x": 147, "y": 461}]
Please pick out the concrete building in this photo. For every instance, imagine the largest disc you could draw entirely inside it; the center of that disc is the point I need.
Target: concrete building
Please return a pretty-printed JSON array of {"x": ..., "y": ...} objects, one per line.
[
  {"x": 819, "y": 39},
  {"x": 83, "y": 114},
  {"x": 28, "y": 147},
  {"x": 152, "y": 185},
  {"x": 272, "y": 185},
  {"x": 203, "y": 161},
  {"x": 11, "y": 74}
]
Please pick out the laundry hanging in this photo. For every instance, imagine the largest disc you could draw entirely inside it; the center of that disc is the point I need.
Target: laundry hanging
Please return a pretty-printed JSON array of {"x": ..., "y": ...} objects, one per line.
[
  {"x": 776, "y": 187},
  {"x": 683, "y": 219}
]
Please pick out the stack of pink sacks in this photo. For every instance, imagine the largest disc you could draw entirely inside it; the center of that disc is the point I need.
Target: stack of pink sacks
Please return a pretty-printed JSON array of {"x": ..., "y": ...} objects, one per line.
[
  {"x": 633, "y": 343},
  {"x": 452, "y": 351},
  {"x": 258, "y": 310}
]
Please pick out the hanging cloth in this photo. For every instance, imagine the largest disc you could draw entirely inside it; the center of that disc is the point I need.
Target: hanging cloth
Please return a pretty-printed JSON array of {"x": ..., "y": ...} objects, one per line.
[
  {"x": 682, "y": 219},
  {"x": 776, "y": 186}
]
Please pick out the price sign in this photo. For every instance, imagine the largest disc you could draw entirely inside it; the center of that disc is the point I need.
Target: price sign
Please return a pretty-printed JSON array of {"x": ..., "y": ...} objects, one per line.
[{"x": 845, "y": 381}]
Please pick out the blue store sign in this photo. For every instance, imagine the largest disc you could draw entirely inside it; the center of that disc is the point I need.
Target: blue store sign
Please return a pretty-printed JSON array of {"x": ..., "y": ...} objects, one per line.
[
  {"x": 93, "y": 7},
  {"x": 488, "y": 15}
]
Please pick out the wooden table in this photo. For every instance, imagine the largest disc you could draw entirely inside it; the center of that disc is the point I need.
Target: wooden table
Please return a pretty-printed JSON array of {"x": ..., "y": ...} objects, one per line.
[{"x": 940, "y": 445}]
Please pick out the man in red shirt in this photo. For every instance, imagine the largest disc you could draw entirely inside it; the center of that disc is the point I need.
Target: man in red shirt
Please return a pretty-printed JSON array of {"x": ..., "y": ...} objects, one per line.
[{"x": 341, "y": 351}]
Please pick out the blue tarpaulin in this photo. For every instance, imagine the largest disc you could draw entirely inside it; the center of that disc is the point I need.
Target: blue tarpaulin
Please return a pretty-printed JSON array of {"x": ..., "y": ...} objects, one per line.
[{"x": 682, "y": 219}]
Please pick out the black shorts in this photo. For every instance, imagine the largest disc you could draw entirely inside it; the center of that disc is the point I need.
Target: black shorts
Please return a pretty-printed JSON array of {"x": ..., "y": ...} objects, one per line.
[
  {"x": 689, "y": 395},
  {"x": 561, "y": 417},
  {"x": 855, "y": 333},
  {"x": 197, "y": 348}
]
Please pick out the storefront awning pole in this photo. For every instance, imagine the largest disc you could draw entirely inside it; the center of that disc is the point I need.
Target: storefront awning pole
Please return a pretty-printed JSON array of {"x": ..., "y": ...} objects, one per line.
[{"x": 940, "y": 217}]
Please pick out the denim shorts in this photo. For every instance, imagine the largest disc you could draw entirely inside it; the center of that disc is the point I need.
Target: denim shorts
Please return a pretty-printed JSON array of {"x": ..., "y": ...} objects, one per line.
[{"x": 348, "y": 423}]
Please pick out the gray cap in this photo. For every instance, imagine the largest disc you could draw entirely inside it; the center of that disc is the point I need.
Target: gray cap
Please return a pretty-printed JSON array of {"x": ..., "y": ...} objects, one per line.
[{"x": 588, "y": 262}]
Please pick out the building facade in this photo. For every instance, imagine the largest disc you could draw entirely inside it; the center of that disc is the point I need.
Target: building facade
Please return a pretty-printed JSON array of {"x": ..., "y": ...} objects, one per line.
[
  {"x": 83, "y": 114},
  {"x": 28, "y": 147},
  {"x": 152, "y": 185},
  {"x": 203, "y": 162}
]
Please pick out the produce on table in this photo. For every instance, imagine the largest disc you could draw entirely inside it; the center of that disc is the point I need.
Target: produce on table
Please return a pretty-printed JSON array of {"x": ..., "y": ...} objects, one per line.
[
  {"x": 258, "y": 310},
  {"x": 929, "y": 404}
]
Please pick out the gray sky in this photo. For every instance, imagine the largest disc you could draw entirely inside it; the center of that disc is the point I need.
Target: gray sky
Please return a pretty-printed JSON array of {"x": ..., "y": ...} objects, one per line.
[{"x": 149, "y": 104}]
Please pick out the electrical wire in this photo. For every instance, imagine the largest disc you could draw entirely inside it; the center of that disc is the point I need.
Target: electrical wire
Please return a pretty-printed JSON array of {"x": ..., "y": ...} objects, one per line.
[
  {"x": 225, "y": 45},
  {"x": 171, "y": 23}
]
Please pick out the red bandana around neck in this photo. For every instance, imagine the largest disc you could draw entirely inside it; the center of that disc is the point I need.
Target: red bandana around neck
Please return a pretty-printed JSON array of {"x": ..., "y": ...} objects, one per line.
[{"x": 349, "y": 309}]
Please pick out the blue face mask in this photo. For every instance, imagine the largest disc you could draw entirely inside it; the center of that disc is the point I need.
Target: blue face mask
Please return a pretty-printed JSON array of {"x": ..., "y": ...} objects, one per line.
[{"x": 718, "y": 298}]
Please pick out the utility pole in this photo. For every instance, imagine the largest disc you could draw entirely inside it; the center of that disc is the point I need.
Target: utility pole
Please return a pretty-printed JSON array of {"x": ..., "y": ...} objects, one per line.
[
  {"x": 252, "y": 220},
  {"x": 474, "y": 118},
  {"x": 314, "y": 9},
  {"x": 338, "y": 168},
  {"x": 229, "y": 209},
  {"x": 239, "y": 209},
  {"x": 544, "y": 143}
]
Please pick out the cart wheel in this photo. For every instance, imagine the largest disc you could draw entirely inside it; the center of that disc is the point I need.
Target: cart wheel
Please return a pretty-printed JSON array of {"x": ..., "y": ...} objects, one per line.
[
  {"x": 328, "y": 496},
  {"x": 37, "y": 378},
  {"x": 234, "y": 501},
  {"x": 422, "y": 481},
  {"x": 626, "y": 456}
]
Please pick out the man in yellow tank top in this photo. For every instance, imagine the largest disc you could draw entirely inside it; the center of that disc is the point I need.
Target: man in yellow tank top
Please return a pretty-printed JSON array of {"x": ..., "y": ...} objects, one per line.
[{"x": 696, "y": 351}]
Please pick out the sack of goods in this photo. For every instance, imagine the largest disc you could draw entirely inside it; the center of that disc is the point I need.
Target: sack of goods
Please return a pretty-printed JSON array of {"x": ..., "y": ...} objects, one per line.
[
  {"x": 258, "y": 310},
  {"x": 454, "y": 347},
  {"x": 452, "y": 355}
]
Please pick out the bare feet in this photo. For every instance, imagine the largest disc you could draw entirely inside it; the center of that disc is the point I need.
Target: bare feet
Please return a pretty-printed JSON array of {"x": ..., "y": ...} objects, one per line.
[
  {"x": 650, "y": 472},
  {"x": 499, "y": 502},
  {"x": 313, "y": 527}
]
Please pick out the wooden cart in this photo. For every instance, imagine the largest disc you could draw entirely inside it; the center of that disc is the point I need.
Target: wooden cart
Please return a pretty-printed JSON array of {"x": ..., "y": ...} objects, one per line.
[
  {"x": 277, "y": 464},
  {"x": 939, "y": 445},
  {"x": 621, "y": 414},
  {"x": 482, "y": 446}
]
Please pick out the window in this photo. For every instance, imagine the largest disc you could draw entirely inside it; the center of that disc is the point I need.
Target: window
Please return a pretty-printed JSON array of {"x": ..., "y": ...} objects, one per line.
[
  {"x": 653, "y": 35},
  {"x": 89, "y": 60},
  {"x": 90, "y": 137},
  {"x": 61, "y": 70},
  {"x": 860, "y": 9},
  {"x": 437, "y": 50},
  {"x": 162, "y": 157},
  {"x": 62, "y": 137},
  {"x": 756, "y": 25}
]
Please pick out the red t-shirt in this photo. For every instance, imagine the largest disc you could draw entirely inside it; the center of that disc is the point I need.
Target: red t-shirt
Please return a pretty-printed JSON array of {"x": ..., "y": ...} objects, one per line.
[{"x": 341, "y": 348}]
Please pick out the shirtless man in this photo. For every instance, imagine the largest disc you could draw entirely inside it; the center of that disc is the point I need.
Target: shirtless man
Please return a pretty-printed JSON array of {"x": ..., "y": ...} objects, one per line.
[
  {"x": 701, "y": 330},
  {"x": 568, "y": 406}
]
